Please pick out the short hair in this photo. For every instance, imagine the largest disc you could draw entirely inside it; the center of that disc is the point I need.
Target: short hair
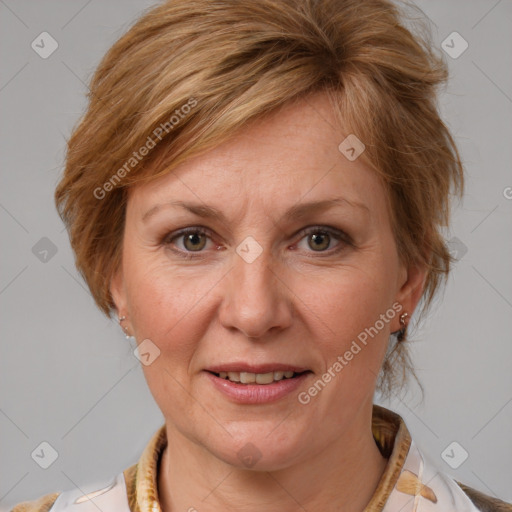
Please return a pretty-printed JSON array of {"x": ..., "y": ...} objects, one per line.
[{"x": 191, "y": 73}]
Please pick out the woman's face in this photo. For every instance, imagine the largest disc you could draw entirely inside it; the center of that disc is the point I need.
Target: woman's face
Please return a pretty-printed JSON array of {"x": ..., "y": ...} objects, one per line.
[{"x": 290, "y": 265}]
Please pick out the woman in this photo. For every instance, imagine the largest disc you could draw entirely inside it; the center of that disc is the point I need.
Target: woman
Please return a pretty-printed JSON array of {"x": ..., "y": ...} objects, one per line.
[{"x": 257, "y": 192}]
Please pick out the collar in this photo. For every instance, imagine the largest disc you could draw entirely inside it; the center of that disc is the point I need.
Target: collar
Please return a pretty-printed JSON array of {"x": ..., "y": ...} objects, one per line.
[{"x": 389, "y": 432}]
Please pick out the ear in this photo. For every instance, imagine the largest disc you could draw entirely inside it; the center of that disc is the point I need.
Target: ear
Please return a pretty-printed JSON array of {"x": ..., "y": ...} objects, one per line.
[
  {"x": 411, "y": 285},
  {"x": 117, "y": 290}
]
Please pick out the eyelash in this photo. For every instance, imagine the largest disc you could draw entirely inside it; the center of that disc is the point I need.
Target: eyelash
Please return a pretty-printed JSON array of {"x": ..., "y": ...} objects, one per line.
[{"x": 341, "y": 236}]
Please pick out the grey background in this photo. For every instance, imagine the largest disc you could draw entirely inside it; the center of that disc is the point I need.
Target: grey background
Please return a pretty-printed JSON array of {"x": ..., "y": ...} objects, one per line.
[{"x": 69, "y": 377}]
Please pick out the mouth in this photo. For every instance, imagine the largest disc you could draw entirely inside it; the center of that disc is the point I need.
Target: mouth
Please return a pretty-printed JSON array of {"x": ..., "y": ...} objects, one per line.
[
  {"x": 258, "y": 378},
  {"x": 250, "y": 384}
]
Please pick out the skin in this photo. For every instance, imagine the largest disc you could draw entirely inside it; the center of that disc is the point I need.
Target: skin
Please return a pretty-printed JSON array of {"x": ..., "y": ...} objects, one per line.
[{"x": 295, "y": 303}]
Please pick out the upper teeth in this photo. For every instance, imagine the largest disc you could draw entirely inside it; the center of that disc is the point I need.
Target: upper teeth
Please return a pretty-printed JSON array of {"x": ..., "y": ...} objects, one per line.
[{"x": 258, "y": 378}]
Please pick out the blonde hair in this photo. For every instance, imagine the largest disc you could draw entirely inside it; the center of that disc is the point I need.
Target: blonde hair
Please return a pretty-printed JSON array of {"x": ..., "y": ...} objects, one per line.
[{"x": 191, "y": 73}]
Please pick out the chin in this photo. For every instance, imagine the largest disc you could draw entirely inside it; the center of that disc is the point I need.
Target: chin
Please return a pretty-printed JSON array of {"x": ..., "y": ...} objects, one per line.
[{"x": 258, "y": 449}]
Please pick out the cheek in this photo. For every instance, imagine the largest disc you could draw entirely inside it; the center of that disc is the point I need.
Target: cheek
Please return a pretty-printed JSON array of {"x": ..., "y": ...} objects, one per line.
[
  {"x": 347, "y": 301},
  {"x": 164, "y": 307},
  {"x": 164, "y": 303},
  {"x": 346, "y": 308}
]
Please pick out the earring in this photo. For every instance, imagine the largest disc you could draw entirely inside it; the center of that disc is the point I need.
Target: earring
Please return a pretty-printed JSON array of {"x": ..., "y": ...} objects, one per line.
[
  {"x": 401, "y": 333},
  {"x": 121, "y": 319}
]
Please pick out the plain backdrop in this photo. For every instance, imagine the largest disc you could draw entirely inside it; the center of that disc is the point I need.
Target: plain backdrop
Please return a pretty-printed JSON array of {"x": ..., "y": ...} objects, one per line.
[{"x": 69, "y": 377}]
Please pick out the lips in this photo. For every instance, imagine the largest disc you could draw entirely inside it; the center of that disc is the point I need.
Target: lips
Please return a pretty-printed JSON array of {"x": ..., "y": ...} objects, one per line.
[{"x": 262, "y": 390}]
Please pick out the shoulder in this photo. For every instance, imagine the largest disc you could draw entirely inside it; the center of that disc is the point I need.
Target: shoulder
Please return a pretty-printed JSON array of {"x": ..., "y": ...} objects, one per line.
[
  {"x": 419, "y": 477},
  {"x": 483, "y": 502},
  {"x": 112, "y": 495},
  {"x": 42, "y": 504}
]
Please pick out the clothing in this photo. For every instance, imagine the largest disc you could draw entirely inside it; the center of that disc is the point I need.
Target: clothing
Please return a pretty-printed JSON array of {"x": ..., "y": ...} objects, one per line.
[{"x": 410, "y": 483}]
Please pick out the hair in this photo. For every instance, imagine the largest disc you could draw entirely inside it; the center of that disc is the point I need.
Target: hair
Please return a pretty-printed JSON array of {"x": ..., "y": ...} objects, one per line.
[{"x": 191, "y": 73}]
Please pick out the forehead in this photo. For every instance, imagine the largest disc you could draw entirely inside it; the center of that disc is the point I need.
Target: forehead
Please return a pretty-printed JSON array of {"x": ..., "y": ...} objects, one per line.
[{"x": 288, "y": 157}]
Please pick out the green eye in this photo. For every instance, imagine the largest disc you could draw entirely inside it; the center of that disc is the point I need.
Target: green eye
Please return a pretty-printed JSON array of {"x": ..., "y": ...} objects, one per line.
[
  {"x": 193, "y": 242},
  {"x": 319, "y": 240}
]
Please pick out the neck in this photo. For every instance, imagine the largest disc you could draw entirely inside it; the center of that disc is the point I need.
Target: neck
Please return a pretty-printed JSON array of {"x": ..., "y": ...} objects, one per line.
[{"x": 342, "y": 477}]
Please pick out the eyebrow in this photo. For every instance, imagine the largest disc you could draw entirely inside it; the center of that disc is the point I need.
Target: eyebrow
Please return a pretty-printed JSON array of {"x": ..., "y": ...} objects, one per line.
[{"x": 297, "y": 211}]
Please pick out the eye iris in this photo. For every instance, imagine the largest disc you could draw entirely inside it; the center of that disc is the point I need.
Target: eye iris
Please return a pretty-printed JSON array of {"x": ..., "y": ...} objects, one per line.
[
  {"x": 322, "y": 237},
  {"x": 193, "y": 237}
]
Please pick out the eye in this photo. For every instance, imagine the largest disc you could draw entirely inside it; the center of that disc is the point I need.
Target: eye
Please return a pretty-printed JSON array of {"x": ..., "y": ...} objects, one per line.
[
  {"x": 319, "y": 239},
  {"x": 194, "y": 239}
]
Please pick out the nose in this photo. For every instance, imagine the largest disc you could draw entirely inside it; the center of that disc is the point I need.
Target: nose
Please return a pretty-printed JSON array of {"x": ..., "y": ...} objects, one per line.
[{"x": 256, "y": 299}]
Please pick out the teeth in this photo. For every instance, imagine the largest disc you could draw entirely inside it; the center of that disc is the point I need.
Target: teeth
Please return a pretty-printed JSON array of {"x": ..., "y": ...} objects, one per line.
[
  {"x": 265, "y": 378},
  {"x": 258, "y": 378},
  {"x": 248, "y": 378}
]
